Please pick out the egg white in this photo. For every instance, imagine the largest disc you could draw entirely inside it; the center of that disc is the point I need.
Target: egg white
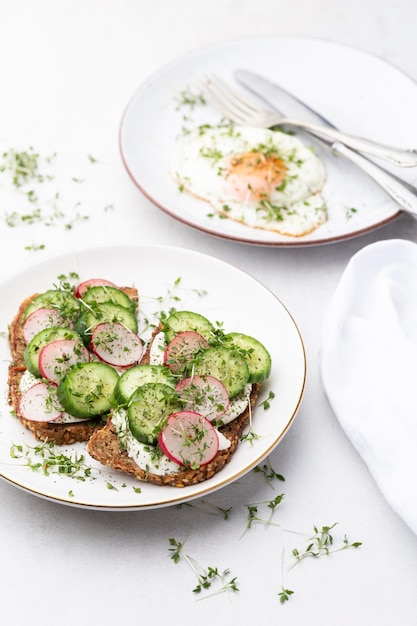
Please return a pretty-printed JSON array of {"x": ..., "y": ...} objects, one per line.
[{"x": 200, "y": 164}]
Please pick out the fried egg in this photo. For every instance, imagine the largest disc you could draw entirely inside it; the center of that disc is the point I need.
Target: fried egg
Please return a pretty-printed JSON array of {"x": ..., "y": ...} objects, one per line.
[{"x": 258, "y": 177}]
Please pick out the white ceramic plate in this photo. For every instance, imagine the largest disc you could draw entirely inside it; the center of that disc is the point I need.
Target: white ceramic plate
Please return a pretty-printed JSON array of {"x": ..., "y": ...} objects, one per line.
[
  {"x": 154, "y": 270},
  {"x": 358, "y": 92}
]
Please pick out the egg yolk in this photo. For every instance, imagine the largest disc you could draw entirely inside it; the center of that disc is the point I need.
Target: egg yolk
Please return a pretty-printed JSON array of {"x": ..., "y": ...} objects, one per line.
[{"x": 254, "y": 176}]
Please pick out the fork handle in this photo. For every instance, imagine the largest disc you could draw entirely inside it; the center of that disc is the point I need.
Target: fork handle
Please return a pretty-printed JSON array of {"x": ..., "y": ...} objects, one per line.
[
  {"x": 396, "y": 156},
  {"x": 402, "y": 192}
]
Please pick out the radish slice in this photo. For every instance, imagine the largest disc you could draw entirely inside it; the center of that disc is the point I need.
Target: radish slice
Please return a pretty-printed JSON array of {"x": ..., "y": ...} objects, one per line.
[
  {"x": 40, "y": 319},
  {"x": 116, "y": 344},
  {"x": 40, "y": 403},
  {"x": 92, "y": 282},
  {"x": 184, "y": 347},
  {"x": 205, "y": 394},
  {"x": 57, "y": 357},
  {"x": 189, "y": 439}
]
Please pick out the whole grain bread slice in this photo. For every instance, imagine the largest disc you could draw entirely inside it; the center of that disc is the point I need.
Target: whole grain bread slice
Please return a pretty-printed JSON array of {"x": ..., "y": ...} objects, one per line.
[
  {"x": 104, "y": 446},
  {"x": 60, "y": 434}
]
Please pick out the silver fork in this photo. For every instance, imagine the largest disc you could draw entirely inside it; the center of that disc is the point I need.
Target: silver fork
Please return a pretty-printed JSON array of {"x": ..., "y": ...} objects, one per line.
[
  {"x": 240, "y": 109},
  {"x": 233, "y": 105}
]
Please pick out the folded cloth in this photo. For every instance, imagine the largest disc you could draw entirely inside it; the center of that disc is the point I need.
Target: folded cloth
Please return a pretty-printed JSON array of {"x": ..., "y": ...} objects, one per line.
[{"x": 369, "y": 366}]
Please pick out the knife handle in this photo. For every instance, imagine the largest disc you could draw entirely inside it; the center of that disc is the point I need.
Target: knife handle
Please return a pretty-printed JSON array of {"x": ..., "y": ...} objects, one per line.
[
  {"x": 402, "y": 192},
  {"x": 396, "y": 156}
]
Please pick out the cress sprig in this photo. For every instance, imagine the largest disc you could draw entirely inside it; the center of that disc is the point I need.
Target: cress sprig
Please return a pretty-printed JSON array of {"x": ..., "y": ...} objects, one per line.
[
  {"x": 44, "y": 457},
  {"x": 322, "y": 544},
  {"x": 27, "y": 171},
  {"x": 205, "y": 577}
]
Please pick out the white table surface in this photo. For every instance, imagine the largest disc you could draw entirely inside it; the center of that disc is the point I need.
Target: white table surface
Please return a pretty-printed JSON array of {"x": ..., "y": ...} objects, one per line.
[{"x": 67, "y": 70}]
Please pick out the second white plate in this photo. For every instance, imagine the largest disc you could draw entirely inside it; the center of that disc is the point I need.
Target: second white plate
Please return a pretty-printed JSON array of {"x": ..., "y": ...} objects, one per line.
[{"x": 358, "y": 92}]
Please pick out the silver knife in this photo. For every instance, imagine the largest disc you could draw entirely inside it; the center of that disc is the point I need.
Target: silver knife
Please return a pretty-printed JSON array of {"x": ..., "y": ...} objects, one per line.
[
  {"x": 402, "y": 192},
  {"x": 314, "y": 123}
]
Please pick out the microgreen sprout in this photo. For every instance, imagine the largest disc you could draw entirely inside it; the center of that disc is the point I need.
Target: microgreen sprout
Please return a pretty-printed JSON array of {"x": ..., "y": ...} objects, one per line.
[
  {"x": 267, "y": 470},
  {"x": 250, "y": 435},
  {"x": 65, "y": 284},
  {"x": 272, "y": 212},
  {"x": 24, "y": 167},
  {"x": 266, "y": 404},
  {"x": 77, "y": 218},
  {"x": 182, "y": 182},
  {"x": 211, "y": 575},
  {"x": 350, "y": 212},
  {"x": 35, "y": 247},
  {"x": 167, "y": 304},
  {"x": 177, "y": 549},
  {"x": 216, "y": 510},
  {"x": 284, "y": 593},
  {"x": 190, "y": 99},
  {"x": 43, "y": 457},
  {"x": 205, "y": 577},
  {"x": 27, "y": 170},
  {"x": 322, "y": 544},
  {"x": 253, "y": 509},
  {"x": 167, "y": 307}
]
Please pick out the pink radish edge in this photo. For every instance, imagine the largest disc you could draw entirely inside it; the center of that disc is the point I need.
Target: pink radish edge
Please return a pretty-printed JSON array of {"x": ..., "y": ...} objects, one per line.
[
  {"x": 115, "y": 344},
  {"x": 39, "y": 320},
  {"x": 189, "y": 439},
  {"x": 49, "y": 356},
  {"x": 216, "y": 401},
  {"x": 92, "y": 282},
  {"x": 39, "y": 404},
  {"x": 182, "y": 348}
]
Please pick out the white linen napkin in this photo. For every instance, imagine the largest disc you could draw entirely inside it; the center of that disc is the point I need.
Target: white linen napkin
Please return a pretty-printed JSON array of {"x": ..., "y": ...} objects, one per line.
[{"x": 369, "y": 366}]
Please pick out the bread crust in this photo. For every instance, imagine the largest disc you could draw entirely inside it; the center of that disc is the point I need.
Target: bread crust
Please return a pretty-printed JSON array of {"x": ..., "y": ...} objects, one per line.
[
  {"x": 60, "y": 434},
  {"x": 104, "y": 446}
]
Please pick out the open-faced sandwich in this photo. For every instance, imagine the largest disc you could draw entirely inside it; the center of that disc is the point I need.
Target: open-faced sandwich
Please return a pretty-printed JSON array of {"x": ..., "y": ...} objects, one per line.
[
  {"x": 171, "y": 413},
  {"x": 65, "y": 348},
  {"x": 182, "y": 411}
]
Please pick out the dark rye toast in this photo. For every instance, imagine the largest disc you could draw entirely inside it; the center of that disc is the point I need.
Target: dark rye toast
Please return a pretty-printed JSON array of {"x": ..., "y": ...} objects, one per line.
[
  {"x": 60, "y": 434},
  {"x": 104, "y": 446}
]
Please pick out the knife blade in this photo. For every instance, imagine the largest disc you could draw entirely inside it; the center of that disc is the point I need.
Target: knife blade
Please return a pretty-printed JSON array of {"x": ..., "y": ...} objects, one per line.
[
  {"x": 279, "y": 98},
  {"x": 313, "y": 122},
  {"x": 282, "y": 101}
]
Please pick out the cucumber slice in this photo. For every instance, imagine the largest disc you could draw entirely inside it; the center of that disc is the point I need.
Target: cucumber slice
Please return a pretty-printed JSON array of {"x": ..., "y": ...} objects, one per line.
[
  {"x": 41, "y": 339},
  {"x": 256, "y": 355},
  {"x": 181, "y": 321},
  {"x": 103, "y": 293},
  {"x": 149, "y": 409},
  {"x": 139, "y": 375},
  {"x": 229, "y": 366},
  {"x": 87, "y": 390},
  {"x": 55, "y": 299},
  {"x": 105, "y": 312}
]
